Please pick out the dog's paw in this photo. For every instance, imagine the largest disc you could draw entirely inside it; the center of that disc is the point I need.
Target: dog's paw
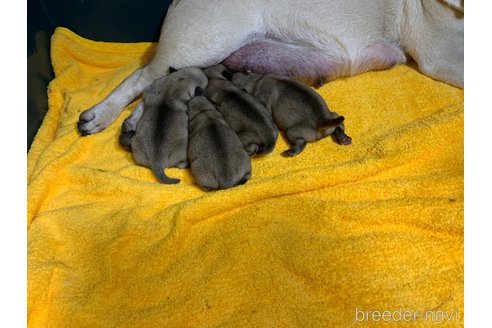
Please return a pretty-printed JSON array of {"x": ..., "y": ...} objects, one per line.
[
  {"x": 298, "y": 146},
  {"x": 341, "y": 138},
  {"x": 291, "y": 152},
  {"x": 93, "y": 120},
  {"x": 125, "y": 139},
  {"x": 128, "y": 131},
  {"x": 88, "y": 123},
  {"x": 251, "y": 149},
  {"x": 344, "y": 140},
  {"x": 128, "y": 127}
]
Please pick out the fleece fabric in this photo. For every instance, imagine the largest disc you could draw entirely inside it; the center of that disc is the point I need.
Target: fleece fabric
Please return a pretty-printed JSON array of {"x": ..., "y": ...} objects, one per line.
[{"x": 363, "y": 235}]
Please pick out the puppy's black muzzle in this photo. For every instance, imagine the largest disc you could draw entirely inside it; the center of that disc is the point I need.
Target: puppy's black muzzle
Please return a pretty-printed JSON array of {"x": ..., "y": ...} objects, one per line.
[{"x": 199, "y": 91}]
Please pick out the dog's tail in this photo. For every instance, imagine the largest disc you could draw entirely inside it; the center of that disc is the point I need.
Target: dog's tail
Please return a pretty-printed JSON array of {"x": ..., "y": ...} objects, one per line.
[
  {"x": 161, "y": 175},
  {"x": 330, "y": 122},
  {"x": 328, "y": 126}
]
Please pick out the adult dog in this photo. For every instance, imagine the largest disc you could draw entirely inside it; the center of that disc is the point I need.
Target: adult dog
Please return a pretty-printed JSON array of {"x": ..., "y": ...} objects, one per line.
[{"x": 313, "y": 40}]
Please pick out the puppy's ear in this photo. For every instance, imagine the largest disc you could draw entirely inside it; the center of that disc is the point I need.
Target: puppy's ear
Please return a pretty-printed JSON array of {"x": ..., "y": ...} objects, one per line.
[
  {"x": 227, "y": 74},
  {"x": 172, "y": 69}
]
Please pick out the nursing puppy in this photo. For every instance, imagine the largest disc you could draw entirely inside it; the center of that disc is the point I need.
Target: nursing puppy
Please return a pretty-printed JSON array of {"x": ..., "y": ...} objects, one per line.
[
  {"x": 128, "y": 128},
  {"x": 297, "y": 109},
  {"x": 249, "y": 118},
  {"x": 217, "y": 158},
  {"x": 161, "y": 137},
  {"x": 309, "y": 40}
]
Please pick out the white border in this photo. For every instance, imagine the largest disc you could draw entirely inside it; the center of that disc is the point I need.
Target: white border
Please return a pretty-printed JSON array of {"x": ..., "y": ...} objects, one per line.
[{"x": 478, "y": 163}]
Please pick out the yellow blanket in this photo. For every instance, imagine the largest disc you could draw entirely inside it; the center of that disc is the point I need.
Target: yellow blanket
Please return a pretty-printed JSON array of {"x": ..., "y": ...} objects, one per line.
[{"x": 339, "y": 236}]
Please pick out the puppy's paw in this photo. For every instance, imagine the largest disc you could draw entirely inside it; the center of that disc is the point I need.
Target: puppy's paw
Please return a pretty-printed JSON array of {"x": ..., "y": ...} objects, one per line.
[
  {"x": 291, "y": 152},
  {"x": 298, "y": 146},
  {"x": 128, "y": 127},
  {"x": 341, "y": 138},
  {"x": 251, "y": 149},
  {"x": 128, "y": 131},
  {"x": 125, "y": 139},
  {"x": 344, "y": 140}
]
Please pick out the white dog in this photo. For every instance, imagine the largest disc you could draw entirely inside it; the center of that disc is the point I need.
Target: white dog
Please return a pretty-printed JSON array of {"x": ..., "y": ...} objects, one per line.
[{"x": 312, "y": 40}]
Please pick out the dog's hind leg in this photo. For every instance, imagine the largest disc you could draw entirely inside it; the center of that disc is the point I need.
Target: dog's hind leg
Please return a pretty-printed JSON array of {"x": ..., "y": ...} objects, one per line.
[
  {"x": 340, "y": 137},
  {"x": 434, "y": 39},
  {"x": 298, "y": 146},
  {"x": 297, "y": 136}
]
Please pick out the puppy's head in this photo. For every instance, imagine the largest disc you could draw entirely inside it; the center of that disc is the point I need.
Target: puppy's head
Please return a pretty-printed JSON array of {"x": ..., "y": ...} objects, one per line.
[
  {"x": 185, "y": 82},
  {"x": 218, "y": 72},
  {"x": 245, "y": 81}
]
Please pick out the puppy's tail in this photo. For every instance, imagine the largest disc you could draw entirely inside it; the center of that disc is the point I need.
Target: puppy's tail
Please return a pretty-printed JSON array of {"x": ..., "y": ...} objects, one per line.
[
  {"x": 332, "y": 122},
  {"x": 161, "y": 175}
]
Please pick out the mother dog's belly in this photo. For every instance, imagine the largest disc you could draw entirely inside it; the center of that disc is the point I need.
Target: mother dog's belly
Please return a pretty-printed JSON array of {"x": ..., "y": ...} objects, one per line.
[{"x": 310, "y": 63}]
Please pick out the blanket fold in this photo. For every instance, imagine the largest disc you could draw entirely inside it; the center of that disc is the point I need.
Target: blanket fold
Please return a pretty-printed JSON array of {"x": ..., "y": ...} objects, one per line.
[{"x": 323, "y": 239}]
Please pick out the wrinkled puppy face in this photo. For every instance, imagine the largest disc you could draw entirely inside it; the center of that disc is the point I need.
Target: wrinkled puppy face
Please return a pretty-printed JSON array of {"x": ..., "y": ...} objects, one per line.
[
  {"x": 218, "y": 72},
  {"x": 184, "y": 83},
  {"x": 245, "y": 81}
]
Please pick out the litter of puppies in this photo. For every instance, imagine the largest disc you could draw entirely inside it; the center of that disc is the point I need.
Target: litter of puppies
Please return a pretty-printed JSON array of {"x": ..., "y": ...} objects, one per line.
[{"x": 213, "y": 121}]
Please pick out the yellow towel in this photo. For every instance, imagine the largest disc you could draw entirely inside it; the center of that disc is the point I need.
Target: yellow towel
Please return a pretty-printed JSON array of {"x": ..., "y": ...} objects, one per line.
[{"x": 339, "y": 236}]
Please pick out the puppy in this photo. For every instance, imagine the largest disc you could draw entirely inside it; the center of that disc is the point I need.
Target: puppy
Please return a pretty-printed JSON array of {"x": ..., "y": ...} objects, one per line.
[
  {"x": 249, "y": 118},
  {"x": 297, "y": 109},
  {"x": 129, "y": 126},
  {"x": 161, "y": 137},
  {"x": 217, "y": 157},
  {"x": 310, "y": 40}
]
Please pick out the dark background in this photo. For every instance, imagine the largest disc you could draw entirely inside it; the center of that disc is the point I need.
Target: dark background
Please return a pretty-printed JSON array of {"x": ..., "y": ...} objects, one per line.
[{"x": 101, "y": 20}]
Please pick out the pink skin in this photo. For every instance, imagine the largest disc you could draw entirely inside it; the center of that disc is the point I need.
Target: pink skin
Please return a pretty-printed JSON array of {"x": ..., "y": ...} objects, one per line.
[{"x": 308, "y": 63}]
